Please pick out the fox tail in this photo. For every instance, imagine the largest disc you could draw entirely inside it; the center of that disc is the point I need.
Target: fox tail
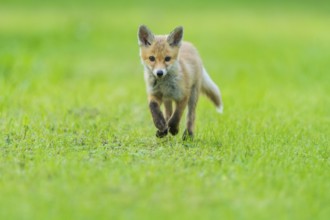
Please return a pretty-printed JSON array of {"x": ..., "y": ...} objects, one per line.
[{"x": 211, "y": 90}]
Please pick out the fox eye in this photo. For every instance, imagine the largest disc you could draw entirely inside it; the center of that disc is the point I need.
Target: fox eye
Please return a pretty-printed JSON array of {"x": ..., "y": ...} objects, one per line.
[
  {"x": 167, "y": 59},
  {"x": 152, "y": 58}
]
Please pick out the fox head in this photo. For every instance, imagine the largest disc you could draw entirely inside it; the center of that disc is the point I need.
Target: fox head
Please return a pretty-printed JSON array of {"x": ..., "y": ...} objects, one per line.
[{"x": 159, "y": 53}]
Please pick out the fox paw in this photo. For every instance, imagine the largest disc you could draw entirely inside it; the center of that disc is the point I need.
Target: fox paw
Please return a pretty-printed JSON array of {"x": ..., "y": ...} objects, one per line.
[
  {"x": 187, "y": 135},
  {"x": 161, "y": 134},
  {"x": 174, "y": 131},
  {"x": 173, "y": 126}
]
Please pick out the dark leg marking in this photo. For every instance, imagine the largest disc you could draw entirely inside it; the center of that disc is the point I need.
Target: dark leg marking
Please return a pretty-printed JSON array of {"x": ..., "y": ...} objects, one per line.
[
  {"x": 158, "y": 119},
  {"x": 174, "y": 121}
]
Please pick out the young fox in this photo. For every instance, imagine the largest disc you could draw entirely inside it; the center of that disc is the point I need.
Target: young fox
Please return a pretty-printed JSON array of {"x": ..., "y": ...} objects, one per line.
[{"x": 174, "y": 72}]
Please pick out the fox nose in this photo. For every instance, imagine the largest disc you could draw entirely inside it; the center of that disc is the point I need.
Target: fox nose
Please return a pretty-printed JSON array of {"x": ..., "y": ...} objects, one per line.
[{"x": 160, "y": 73}]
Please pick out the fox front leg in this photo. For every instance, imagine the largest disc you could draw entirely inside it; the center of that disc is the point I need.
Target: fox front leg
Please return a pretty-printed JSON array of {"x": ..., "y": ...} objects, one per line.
[
  {"x": 168, "y": 109},
  {"x": 174, "y": 121},
  {"x": 192, "y": 102},
  {"x": 158, "y": 118}
]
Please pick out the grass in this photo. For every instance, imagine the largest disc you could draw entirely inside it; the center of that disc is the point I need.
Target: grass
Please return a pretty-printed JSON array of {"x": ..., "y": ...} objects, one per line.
[{"x": 77, "y": 139}]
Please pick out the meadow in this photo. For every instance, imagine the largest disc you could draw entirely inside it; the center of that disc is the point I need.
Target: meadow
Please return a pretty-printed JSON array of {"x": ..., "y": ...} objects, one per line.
[{"x": 77, "y": 139}]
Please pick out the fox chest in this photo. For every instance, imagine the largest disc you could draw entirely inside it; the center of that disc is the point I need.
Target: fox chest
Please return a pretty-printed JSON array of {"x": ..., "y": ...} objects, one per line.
[{"x": 168, "y": 90}]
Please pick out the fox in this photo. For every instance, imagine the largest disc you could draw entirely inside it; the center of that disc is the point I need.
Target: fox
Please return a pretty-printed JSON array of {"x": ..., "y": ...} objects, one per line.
[{"x": 174, "y": 73}]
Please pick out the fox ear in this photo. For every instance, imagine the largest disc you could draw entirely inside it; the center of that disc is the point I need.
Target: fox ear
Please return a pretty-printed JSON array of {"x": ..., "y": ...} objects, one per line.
[
  {"x": 175, "y": 37},
  {"x": 145, "y": 36}
]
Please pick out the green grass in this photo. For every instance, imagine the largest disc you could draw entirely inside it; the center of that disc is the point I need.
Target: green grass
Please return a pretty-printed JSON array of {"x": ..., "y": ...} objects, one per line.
[{"x": 77, "y": 140}]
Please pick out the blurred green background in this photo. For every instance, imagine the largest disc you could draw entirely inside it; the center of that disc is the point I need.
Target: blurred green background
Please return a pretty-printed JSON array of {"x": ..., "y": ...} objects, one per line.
[{"x": 77, "y": 140}]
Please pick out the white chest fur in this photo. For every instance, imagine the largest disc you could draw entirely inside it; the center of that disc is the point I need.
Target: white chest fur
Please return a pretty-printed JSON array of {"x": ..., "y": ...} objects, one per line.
[{"x": 167, "y": 87}]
